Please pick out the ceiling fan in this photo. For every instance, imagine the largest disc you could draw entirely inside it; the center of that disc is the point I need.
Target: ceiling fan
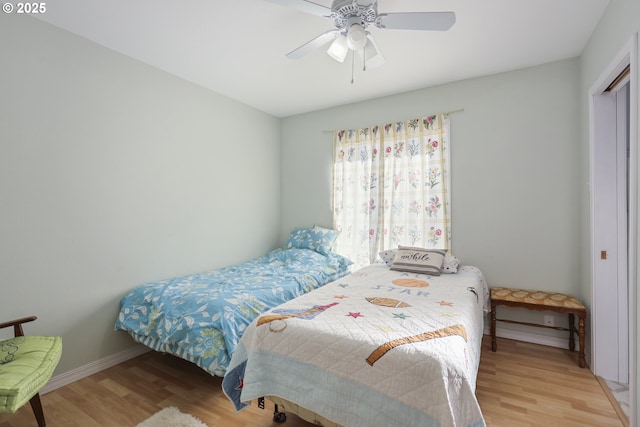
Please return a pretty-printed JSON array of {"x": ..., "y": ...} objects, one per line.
[{"x": 352, "y": 19}]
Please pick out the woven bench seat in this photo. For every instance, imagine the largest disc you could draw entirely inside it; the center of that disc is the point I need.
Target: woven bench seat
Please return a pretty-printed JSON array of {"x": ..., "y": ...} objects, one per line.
[{"x": 541, "y": 301}]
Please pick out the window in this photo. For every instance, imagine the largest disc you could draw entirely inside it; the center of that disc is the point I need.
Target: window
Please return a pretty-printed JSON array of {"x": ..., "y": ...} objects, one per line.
[{"x": 391, "y": 187}]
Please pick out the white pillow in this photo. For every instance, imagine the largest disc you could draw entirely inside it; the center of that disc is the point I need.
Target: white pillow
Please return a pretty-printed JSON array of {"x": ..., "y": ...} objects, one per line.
[
  {"x": 450, "y": 264},
  {"x": 388, "y": 256}
]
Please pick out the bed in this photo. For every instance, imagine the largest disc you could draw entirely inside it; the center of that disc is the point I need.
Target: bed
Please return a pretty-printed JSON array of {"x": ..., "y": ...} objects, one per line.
[
  {"x": 378, "y": 347},
  {"x": 201, "y": 317}
]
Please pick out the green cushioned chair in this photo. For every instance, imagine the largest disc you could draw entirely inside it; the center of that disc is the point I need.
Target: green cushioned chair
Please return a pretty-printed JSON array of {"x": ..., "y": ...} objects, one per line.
[{"x": 26, "y": 365}]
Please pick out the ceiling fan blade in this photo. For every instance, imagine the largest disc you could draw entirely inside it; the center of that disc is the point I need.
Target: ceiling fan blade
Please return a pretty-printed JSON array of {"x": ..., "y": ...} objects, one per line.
[
  {"x": 319, "y": 41},
  {"x": 428, "y": 21},
  {"x": 304, "y": 6}
]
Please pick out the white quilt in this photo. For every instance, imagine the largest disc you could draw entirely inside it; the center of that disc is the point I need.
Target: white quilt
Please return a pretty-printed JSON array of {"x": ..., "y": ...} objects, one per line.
[{"x": 375, "y": 348}]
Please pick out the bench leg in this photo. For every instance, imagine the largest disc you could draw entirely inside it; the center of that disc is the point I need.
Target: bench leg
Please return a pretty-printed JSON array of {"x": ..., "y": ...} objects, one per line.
[
  {"x": 572, "y": 330},
  {"x": 494, "y": 343}
]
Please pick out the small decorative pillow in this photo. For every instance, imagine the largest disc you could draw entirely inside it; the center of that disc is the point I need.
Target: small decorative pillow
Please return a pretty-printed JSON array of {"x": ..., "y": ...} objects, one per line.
[
  {"x": 418, "y": 260},
  {"x": 318, "y": 239},
  {"x": 388, "y": 256},
  {"x": 450, "y": 264}
]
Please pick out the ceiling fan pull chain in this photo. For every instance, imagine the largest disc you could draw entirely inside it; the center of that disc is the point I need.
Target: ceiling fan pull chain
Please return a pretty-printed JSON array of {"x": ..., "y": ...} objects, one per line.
[
  {"x": 364, "y": 59},
  {"x": 353, "y": 61}
]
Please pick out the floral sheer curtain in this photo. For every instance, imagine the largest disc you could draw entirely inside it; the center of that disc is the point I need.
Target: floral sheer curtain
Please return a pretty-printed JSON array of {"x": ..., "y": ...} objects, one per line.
[{"x": 391, "y": 187}]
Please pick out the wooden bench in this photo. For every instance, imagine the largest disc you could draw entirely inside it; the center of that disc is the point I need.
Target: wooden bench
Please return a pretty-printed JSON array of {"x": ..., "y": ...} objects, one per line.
[{"x": 541, "y": 301}]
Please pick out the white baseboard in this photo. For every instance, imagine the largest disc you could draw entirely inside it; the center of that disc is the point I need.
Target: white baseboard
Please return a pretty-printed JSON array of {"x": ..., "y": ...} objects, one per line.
[
  {"x": 530, "y": 338},
  {"x": 112, "y": 360},
  {"x": 92, "y": 368}
]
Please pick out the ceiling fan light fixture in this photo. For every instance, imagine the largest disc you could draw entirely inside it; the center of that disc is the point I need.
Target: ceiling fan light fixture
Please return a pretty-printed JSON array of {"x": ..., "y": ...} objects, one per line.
[
  {"x": 371, "y": 53},
  {"x": 338, "y": 49},
  {"x": 356, "y": 37}
]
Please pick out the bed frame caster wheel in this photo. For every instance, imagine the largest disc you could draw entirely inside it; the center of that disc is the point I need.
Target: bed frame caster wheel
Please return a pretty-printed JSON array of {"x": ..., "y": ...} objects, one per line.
[{"x": 279, "y": 417}]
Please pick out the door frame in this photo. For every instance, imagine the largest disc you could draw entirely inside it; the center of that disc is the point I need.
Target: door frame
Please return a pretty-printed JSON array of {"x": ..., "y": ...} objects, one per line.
[
  {"x": 610, "y": 258},
  {"x": 628, "y": 56}
]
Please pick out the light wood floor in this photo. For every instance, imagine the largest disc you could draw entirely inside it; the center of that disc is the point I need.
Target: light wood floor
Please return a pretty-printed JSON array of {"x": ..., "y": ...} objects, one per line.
[{"x": 519, "y": 385}]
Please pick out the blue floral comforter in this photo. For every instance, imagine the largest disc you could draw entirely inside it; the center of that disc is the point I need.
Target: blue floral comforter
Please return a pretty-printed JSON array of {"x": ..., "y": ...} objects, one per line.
[{"x": 201, "y": 317}]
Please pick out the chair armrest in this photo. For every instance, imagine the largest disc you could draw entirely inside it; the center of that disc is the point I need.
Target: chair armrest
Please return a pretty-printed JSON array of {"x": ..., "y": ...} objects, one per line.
[{"x": 17, "y": 325}]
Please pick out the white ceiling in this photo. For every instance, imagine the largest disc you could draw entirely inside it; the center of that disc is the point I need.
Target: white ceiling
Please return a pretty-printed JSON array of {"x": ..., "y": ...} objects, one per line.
[{"x": 237, "y": 47}]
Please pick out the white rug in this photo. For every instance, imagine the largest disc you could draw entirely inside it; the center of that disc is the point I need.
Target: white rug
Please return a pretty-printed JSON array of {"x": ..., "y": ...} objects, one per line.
[{"x": 171, "y": 417}]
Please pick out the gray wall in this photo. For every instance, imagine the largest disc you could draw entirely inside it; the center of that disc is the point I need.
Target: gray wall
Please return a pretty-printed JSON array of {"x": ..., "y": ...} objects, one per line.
[
  {"x": 515, "y": 188},
  {"x": 620, "y": 22},
  {"x": 113, "y": 173}
]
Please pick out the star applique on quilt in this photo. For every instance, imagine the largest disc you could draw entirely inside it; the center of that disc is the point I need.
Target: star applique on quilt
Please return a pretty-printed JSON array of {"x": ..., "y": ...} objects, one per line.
[
  {"x": 400, "y": 316},
  {"x": 355, "y": 315},
  {"x": 340, "y": 296},
  {"x": 445, "y": 304}
]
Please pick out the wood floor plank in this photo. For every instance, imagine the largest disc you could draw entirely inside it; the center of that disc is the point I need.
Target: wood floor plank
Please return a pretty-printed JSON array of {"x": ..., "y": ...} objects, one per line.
[{"x": 520, "y": 385}]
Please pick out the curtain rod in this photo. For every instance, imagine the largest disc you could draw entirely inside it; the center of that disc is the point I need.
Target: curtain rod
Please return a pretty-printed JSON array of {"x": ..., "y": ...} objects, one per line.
[{"x": 444, "y": 114}]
